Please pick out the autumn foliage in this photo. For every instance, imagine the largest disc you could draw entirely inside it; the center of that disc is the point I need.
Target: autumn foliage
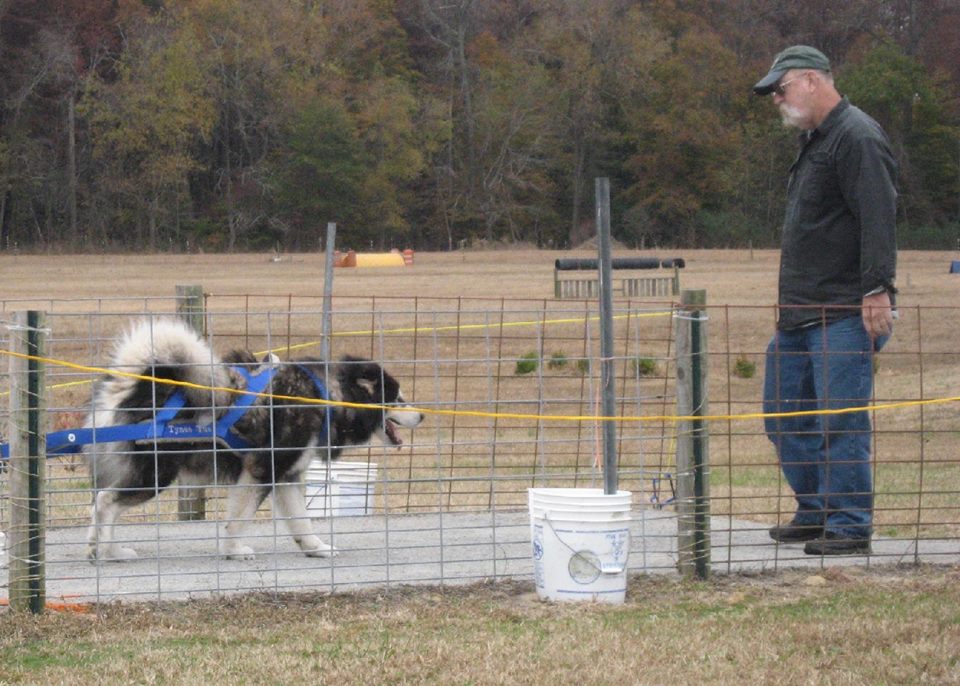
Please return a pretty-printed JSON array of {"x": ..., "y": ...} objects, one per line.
[{"x": 249, "y": 124}]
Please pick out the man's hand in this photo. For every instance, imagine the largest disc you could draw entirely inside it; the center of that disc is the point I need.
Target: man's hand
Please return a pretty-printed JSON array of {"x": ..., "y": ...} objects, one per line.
[{"x": 877, "y": 315}]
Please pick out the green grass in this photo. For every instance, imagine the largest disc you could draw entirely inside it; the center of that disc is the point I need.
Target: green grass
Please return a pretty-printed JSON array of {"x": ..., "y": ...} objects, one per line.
[
  {"x": 748, "y": 490},
  {"x": 745, "y": 476}
]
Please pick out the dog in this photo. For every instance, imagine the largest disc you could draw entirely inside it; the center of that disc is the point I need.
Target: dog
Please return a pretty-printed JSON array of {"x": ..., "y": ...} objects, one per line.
[{"x": 281, "y": 431}]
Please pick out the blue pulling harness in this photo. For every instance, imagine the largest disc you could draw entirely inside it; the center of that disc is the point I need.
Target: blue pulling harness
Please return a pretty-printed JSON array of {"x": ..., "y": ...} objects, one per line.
[{"x": 163, "y": 428}]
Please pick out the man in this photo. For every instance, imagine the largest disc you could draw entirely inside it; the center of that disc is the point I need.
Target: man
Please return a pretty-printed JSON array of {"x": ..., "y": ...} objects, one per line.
[{"x": 837, "y": 268}]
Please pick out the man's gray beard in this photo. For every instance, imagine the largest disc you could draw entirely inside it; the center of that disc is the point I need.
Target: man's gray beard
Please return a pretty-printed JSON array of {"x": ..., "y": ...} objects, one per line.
[{"x": 791, "y": 116}]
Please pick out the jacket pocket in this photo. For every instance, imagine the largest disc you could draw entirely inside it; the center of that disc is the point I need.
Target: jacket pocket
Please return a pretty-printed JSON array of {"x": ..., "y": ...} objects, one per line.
[{"x": 818, "y": 186}]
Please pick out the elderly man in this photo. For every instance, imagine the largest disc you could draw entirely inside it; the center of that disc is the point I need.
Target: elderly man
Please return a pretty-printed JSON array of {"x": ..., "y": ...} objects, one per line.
[{"x": 836, "y": 293}]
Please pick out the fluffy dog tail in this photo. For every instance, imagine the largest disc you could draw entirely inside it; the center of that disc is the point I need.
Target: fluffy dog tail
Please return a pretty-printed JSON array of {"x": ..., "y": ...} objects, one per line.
[{"x": 167, "y": 348}]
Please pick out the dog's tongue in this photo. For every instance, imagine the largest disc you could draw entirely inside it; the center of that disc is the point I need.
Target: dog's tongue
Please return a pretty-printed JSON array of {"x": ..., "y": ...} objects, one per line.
[{"x": 391, "y": 430}]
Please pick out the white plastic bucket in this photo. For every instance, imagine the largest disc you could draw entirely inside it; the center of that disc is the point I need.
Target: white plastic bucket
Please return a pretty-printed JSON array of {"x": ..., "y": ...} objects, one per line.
[
  {"x": 340, "y": 489},
  {"x": 580, "y": 540}
]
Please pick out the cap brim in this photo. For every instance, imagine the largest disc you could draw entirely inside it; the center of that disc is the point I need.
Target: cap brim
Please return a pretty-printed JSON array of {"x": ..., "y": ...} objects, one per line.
[{"x": 766, "y": 85}]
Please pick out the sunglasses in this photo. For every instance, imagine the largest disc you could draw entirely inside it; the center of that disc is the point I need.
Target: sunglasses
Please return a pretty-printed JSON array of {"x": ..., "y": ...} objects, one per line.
[{"x": 781, "y": 88}]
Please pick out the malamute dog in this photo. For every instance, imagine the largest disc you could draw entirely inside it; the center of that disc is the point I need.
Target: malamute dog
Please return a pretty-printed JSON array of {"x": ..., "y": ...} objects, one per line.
[{"x": 282, "y": 434}]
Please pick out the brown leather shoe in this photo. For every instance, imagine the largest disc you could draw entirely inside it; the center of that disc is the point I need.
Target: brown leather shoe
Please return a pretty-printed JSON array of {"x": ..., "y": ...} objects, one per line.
[{"x": 792, "y": 532}]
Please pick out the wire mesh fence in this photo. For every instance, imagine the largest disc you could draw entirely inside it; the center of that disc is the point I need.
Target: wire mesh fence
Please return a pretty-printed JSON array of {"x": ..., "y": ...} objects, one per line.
[{"x": 511, "y": 393}]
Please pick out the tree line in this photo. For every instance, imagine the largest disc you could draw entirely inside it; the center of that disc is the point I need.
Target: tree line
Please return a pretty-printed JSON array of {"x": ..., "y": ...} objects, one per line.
[{"x": 249, "y": 124}]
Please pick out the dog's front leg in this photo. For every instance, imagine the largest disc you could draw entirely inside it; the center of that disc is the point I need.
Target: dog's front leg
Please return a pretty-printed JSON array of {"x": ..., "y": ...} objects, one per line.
[
  {"x": 243, "y": 499},
  {"x": 292, "y": 508}
]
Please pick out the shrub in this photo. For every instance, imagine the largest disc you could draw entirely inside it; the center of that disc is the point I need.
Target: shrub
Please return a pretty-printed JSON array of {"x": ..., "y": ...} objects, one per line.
[
  {"x": 557, "y": 361},
  {"x": 527, "y": 363},
  {"x": 744, "y": 368},
  {"x": 645, "y": 366}
]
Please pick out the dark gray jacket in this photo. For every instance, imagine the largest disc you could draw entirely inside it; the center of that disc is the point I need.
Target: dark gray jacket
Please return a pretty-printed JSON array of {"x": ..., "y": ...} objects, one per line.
[{"x": 839, "y": 234}]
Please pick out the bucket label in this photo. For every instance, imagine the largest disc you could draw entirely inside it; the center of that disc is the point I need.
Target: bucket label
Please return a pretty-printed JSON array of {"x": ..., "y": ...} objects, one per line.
[
  {"x": 619, "y": 545},
  {"x": 537, "y": 545}
]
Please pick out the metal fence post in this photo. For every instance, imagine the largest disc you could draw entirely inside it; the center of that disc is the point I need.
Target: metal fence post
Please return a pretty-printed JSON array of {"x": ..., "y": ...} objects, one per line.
[
  {"x": 191, "y": 500},
  {"x": 326, "y": 325},
  {"x": 607, "y": 375},
  {"x": 27, "y": 573},
  {"x": 693, "y": 486}
]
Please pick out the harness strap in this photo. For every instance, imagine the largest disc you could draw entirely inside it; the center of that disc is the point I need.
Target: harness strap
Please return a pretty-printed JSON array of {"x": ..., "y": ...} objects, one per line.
[
  {"x": 163, "y": 428},
  {"x": 321, "y": 387},
  {"x": 255, "y": 385}
]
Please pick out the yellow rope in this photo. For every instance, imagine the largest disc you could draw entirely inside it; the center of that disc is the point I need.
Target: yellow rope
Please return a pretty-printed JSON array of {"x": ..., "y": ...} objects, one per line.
[
  {"x": 420, "y": 329},
  {"x": 467, "y": 327},
  {"x": 501, "y": 415}
]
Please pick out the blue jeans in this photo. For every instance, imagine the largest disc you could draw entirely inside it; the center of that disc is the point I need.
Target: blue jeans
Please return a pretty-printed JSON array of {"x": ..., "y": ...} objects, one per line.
[{"x": 825, "y": 458}]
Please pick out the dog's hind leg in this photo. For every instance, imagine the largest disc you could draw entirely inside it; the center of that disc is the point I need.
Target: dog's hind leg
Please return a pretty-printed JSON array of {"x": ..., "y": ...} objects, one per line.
[
  {"x": 106, "y": 510},
  {"x": 243, "y": 499},
  {"x": 292, "y": 508}
]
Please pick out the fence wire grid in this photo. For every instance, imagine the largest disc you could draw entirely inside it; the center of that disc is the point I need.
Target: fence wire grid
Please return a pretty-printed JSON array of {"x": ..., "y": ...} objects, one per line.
[{"x": 511, "y": 392}]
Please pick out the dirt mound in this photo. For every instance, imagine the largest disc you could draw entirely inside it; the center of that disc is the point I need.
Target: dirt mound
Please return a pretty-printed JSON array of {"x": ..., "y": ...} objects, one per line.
[{"x": 593, "y": 243}]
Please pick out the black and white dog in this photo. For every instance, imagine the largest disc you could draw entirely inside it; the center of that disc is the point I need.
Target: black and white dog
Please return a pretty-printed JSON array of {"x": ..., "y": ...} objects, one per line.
[{"x": 279, "y": 434}]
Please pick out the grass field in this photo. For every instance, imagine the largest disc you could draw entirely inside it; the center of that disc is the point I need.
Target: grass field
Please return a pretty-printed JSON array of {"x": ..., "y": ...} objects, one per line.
[
  {"x": 851, "y": 627},
  {"x": 895, "y": 626}
]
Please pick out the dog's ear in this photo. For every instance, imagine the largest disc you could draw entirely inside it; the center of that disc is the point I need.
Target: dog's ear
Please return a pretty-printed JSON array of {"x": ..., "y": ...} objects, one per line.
[
  {"x": 367, "y": 384},
  {"x": 363, "y": 374},
  {"x": 370, "y": 379}
]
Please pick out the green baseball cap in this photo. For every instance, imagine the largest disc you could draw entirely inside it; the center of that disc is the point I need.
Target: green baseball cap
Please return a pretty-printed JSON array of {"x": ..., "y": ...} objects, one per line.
[{"x": 794, "y": 57}]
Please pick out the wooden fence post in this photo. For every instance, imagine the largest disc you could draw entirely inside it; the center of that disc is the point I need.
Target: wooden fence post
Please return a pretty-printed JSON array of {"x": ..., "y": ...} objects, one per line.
[
  {"x": 693, "y": 486},
  {"x": 191, "y": 500},
  {"x": 191, "y": 307},
  {"x": 27, "y": 573}
]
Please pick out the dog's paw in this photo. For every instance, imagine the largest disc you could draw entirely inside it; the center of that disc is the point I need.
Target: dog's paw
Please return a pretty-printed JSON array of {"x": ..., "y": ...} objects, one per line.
[
  {"x": 314, "y": 547},
  {"x": 238, "y": 552},
  {"x": 119, "y": 554}
]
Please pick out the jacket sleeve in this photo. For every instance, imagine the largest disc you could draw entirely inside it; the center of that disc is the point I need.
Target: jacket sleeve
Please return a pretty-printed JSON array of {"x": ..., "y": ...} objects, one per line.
[{"x": 868, "y": 177}]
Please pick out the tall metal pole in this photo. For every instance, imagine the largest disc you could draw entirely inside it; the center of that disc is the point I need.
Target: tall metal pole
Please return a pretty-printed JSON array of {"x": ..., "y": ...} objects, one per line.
[
  {"x": 328, "y": 290},
  {"x": 607, "y": 380}
]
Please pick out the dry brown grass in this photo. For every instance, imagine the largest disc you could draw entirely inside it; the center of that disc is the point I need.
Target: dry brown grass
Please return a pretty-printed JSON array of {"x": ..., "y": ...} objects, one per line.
[
  {"x": 914, "y": 447},
  {"x": 890, "y": 626}
]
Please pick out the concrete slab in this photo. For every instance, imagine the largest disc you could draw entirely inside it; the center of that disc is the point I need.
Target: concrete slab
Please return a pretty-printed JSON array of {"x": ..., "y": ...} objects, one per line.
[{"x": 177, "y": 561}]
